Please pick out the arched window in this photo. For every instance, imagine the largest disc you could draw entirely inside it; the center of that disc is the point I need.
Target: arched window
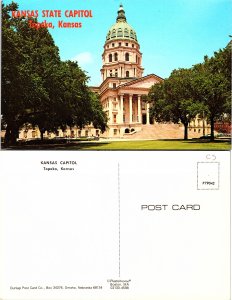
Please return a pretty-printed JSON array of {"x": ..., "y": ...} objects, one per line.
[
  {"x": 116, "y": 56},
  {"x": 110, "y": 58},
  {"x": 126, "y": 32},
  {"x": 127, "y": 57},
  {"x": 120, "y": 34},
  {"x": 127, "y": 74},
  {"x": 113, "y": 35}
]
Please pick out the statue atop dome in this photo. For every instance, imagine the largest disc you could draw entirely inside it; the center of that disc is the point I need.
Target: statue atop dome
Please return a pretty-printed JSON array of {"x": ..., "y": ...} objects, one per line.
[{"x": 121, "y": 14}]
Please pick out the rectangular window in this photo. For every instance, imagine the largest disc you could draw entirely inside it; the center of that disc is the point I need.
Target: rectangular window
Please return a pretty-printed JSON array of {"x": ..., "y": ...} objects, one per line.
[
  {"x": 115, "y": 131},
  {"x": 115, "y": 118},
  {"x": 86, "y": 133},
  {"x": 114, "y": 84}
]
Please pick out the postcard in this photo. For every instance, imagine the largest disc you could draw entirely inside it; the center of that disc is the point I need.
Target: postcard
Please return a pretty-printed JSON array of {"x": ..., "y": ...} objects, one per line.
[
  {"x": 115, "y": 161},
  {"x": 113, "y": 225}
]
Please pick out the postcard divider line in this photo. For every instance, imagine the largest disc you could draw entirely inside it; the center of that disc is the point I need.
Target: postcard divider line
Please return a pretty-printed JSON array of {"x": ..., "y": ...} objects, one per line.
[{"x": 119, "y": 224}]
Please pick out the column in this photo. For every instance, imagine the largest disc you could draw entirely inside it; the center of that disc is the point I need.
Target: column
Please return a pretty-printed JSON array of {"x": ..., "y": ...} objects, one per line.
[
  {"x": 139, "y": 108},
  {"x": 130, "y": 109},
  {"x": 123, "y": 73},
  {"x": 121, "y": 109},
  {"x": 148, "y": 113},
  {"x": 110, "y": 110}
]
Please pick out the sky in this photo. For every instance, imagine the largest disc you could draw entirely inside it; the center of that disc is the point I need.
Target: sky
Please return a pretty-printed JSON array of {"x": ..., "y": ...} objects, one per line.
[{"x": 172, "y": 33}]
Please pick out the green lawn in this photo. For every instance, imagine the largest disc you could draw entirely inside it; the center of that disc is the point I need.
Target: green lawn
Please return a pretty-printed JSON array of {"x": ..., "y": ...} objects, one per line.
[
  {"x": 134, "y": 145},
  {"x": 157, "y": 145}
]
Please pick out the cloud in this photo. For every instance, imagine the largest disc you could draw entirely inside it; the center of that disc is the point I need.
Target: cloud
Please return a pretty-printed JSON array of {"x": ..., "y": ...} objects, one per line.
[{"x": 83, "y": 58}]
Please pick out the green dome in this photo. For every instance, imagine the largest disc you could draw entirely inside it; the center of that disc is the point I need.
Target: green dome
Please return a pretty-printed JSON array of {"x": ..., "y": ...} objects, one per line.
[{"x": 121, "y": 29}]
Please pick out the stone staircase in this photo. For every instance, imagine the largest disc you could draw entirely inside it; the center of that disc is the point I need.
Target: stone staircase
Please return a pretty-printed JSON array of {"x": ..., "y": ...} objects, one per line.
[{"x": 158, "y": 131}]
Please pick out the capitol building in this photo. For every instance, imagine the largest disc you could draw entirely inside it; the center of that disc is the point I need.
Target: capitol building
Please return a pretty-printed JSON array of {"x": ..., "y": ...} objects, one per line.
[
  {"x": 123, "y": 84},
  {"x": 123, "y": 87},
  {"x": 122, "y": 94}
]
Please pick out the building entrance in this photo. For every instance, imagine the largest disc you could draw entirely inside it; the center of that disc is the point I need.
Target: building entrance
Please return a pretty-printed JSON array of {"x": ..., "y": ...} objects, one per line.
[{"x": 144, "y": 119}]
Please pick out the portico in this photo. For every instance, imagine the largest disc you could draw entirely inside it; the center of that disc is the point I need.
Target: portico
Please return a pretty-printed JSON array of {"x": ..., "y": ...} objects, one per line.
[{"x": 130, "y": 109}]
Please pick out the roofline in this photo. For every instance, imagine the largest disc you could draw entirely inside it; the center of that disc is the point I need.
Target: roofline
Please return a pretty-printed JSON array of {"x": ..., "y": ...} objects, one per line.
[
  {"x": 139, "y": 79},
  {"x": 127, "y": 84},
  {"x": 93, "y": 86}
]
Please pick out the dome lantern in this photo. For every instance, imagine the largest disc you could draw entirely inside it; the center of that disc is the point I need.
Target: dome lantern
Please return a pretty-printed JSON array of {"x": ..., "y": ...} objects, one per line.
[{"x": 121, "y": 14}]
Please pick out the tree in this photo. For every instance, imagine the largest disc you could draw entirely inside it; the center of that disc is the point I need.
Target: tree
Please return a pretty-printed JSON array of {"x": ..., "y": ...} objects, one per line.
[
  {"x": 173, "y": 100},
  {"x": 205, "y": 88},
  {"x": 38, "y": 88},
  {"x": 99, "y": 116},
  {"x": 78, "y": 105},
  {"x": 12, "y": 91},
  {"x": 212, "y": 85},
  {"x": 27, "y": 58}
]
